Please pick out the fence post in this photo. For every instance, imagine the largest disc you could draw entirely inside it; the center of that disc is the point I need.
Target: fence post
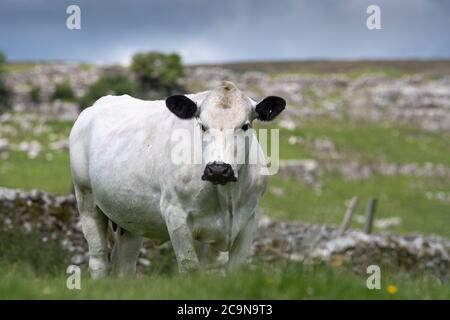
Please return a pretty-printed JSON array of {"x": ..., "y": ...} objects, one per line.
[
  {"x": 370, "y": 214},
  {"x": 348, "y": 215}
]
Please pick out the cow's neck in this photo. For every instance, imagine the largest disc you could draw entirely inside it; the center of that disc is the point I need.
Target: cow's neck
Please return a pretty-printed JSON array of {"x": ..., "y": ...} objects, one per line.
[
  {"x": 228, "y": 199},
  {"x": 226, "y": 195}
]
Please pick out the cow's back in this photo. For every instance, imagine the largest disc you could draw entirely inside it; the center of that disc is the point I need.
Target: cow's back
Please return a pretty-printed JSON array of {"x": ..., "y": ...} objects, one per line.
[{"x": 112, "y": 126}]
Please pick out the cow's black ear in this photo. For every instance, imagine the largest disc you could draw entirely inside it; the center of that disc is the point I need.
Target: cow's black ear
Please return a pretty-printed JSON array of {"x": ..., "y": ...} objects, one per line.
[
  {"x": 181, "y": 106},
  {"x": 269, "y": 108}
]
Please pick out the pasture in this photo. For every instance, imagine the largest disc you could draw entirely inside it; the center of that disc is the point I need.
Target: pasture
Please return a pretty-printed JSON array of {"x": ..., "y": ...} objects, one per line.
[
  {"x": 420, "y": 203},
  {"x": 40, "y": 273},
  {"x": 407, "y": 197},
  {"x": 30, "y": 270}
]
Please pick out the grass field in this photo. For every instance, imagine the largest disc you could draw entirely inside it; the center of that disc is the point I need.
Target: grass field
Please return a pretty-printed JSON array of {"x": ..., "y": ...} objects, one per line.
[
  {"x": 31, "y": 269},
  {"x": 400, "y": 196},
  {"x": 259, "y": 282},
  {"x": 353, "y": 68},
  {"x": 38, "y": 272}
]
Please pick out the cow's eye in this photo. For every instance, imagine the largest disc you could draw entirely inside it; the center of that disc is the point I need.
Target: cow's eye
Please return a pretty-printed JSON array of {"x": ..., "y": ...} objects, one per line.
[
  {"x": 245, "y": 127},
  {"x": 203, "y": 128}
]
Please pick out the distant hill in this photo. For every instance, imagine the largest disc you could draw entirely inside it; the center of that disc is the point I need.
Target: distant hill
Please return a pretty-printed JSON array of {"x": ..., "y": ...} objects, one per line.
[
  {"x": 438, "y": 67},
  {"x": 394, "y": 67}
]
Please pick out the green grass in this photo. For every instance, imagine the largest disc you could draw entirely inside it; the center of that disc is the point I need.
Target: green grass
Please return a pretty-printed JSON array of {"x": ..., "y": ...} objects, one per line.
[
  {"x": 368, "y": 142},
  {"x": 402, "y": 197},
  {"x": 57, "y": 129},
  {"x": 29, "y": 65},
  {"x": 393, "y": 73},
  {"x": 49, "y": 171},
  {"x": 32, "y": 269},
  {"x": 260, "y": 281},
  {"x": 354, "y": 140},
  {"x": 39, "y": 173},
  {"x": 326, "y": 67},
  {"x": 29, "y": 254},
  {"x": 19, "y": 66}
]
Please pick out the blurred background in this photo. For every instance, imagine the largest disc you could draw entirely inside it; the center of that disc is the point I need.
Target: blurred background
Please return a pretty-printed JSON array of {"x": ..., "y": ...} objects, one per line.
[{"x": 368, "y": 118}]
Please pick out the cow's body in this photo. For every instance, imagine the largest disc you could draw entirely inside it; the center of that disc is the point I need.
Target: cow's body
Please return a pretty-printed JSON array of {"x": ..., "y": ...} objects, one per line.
[{"x": 120, "y": 151}]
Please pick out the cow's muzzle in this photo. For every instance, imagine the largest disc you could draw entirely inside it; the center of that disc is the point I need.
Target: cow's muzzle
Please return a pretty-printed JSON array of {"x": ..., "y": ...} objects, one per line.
[{"x": 218, "y": 173}]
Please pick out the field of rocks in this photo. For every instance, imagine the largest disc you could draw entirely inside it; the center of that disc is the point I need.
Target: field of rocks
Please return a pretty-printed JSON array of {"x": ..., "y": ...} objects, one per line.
[{"x": 363, "y": 130}]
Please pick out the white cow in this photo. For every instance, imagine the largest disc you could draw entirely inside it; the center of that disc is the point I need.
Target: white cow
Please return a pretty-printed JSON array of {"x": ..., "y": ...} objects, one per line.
[{"x": 122, "y": 170}]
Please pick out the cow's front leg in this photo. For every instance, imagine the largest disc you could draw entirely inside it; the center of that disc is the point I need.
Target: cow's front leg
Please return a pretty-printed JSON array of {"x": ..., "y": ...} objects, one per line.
[
  {"x": 242, "y": 245},
  {"x": 181, "y": 238}
]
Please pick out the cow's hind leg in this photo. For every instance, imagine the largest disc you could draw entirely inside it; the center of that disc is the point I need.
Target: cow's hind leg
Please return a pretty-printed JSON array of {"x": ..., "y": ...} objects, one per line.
[
  {"x": 95, "y": 225},
  {"x": 207, "y": 254},
  {"x": 125, "y": 253}
]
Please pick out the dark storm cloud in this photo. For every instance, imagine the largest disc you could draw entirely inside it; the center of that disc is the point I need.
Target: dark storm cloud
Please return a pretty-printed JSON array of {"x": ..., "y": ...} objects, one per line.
[{"x": 212, "y": 30}]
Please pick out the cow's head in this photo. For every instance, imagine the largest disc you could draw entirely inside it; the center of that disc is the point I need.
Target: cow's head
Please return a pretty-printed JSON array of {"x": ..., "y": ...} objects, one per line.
[{"x": 224, "y": 117}]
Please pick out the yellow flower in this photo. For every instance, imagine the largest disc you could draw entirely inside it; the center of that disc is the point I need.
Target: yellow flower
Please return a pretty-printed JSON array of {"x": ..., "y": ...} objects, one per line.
[{"x": 391, "y": 289}]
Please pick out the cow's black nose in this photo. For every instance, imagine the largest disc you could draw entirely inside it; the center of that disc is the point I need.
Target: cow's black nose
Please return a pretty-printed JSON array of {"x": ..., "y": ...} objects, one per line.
[{"x": 218, "y": 173}]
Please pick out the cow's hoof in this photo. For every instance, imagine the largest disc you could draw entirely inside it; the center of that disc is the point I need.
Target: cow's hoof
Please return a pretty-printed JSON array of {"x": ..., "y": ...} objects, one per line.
[{"x": 99, "y": 267}]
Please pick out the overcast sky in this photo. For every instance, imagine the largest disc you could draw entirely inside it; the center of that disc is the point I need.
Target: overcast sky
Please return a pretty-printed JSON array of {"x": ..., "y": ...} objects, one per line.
[{"x": 219, "y": 31}]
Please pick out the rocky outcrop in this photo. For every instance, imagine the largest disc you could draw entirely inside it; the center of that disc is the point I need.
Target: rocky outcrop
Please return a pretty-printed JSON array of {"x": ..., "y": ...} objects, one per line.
[
  {"x": 352, "y": 170},
  {"x": 414, "y": 99},
  {"x": 34, "y": 127},
  {"x": 306, "y": 243},
  {"x": 45, "y": 77},
  {"x": 418, "y": 99},
  {"x": 55, "y": 217}
]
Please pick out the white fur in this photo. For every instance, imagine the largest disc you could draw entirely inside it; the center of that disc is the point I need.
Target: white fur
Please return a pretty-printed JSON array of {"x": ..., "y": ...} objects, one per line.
[{"x": 120, "y": 162}]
